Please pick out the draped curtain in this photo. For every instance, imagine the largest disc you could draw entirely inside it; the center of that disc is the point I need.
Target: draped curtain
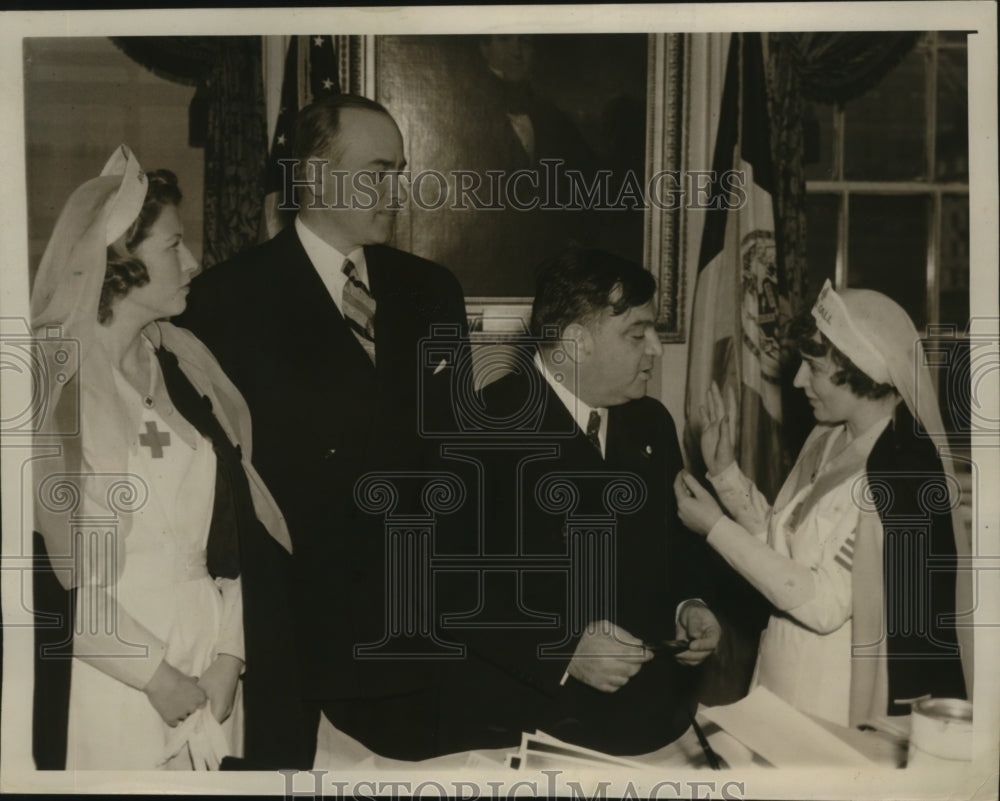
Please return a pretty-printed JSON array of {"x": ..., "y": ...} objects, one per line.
[
  {"x": 227, "y": 117},
  {"x": 830, "y": 68}
]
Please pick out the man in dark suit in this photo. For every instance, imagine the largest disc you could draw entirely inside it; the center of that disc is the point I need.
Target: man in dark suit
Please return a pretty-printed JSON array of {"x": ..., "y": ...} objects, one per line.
[
  {"x": 320, "y": 329},
  {"x": 586, "y": 570}
]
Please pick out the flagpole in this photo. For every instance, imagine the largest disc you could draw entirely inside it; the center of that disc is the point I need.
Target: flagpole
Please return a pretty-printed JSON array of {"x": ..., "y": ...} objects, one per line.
[{"x": 273, "y": 50}]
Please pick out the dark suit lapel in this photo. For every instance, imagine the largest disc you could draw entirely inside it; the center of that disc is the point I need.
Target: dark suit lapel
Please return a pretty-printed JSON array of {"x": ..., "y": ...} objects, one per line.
[
  {"x": 334, "y": 339},
  {"x": 391, "y": 317},
  {"x": 399, "y": 327},
  {"x": 318, "y": 340},
  {"x": 628, "y": 447},
  {"x": 378, "y": 283},
  {"x": 309, "y": 300},
  {"x": 576, "y": 449}
]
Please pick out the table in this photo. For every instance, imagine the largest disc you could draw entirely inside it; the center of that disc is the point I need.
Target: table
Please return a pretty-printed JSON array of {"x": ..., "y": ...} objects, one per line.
[{"x": 337, "y": 751}]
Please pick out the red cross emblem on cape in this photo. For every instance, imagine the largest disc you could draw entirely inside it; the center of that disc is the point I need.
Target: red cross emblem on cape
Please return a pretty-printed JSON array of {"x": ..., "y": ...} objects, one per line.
[{"x": 155, "y": 440}]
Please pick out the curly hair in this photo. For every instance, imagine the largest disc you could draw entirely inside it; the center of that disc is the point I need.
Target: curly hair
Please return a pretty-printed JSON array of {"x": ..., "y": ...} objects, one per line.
[
  {"x": 802, "y": 332},
  {"x": 125, "y": 270},
  {"x": 578, "y": 284}
]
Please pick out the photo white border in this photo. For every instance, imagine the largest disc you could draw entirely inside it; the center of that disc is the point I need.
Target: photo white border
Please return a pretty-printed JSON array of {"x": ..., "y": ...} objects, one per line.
[{"x": 969, "y": 780}]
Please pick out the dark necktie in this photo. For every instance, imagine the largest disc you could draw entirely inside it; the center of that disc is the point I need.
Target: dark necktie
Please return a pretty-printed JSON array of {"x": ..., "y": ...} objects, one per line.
[
  {"x": 594, "y": 430},
  {"x": 359, "y": 309}
]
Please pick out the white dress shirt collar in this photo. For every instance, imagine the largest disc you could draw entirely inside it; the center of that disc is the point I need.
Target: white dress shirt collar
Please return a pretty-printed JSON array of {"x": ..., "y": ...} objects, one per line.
[
  {"x": 579, "y": 411},
  {"x": 329, "y": 262}
]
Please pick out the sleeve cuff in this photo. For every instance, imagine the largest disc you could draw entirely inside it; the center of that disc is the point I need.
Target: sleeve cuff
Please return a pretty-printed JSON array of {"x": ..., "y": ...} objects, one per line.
[
  {"x": 727, "y": 477},
  {"x": 138, "y": 673},
  {"x": 128, "y": 651},
  {"x": 230, "y": 639},
  {"x": 685, "y": 602},
  {"x": 723, "y": 524}
]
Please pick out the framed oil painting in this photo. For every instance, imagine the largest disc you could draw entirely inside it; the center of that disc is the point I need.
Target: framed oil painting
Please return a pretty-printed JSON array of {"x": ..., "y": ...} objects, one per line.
[{"x": 521, "y": 145}]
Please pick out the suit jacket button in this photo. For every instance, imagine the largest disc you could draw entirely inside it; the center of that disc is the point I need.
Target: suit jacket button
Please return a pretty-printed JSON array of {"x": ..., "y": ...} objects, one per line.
[{"x": 329, "y": 454}]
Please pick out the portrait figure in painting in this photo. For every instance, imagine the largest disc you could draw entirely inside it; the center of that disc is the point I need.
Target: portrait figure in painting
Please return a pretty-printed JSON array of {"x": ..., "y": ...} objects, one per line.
[{"x": 534, "y": 136}]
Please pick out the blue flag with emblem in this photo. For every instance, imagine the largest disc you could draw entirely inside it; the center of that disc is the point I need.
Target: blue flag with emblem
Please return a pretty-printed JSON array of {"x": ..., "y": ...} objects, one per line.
[{"x": 741, "y": 307}]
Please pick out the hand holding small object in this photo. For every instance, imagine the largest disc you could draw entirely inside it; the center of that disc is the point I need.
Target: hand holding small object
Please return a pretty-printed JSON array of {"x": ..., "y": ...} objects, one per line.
[
  {"x": 696, "y": 508},
  {"x": 667, "y": 646},
  {"x": 697, "y": 624},
  {"x": 607, "y": 656}
]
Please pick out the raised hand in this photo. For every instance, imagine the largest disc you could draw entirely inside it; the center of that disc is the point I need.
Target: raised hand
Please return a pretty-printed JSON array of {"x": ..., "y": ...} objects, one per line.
[
  {"x": 173, "y": 694},
  {"x": 718, "y": 429},
  {"x": 607, "y": 656}
]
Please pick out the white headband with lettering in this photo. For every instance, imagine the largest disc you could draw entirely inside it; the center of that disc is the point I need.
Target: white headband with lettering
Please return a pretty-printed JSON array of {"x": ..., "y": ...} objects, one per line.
[{"x": 834, "y": 321}]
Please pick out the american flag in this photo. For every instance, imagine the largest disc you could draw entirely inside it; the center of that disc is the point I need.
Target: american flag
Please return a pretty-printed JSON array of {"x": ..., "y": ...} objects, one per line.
[{"x": 311, "y": 72}]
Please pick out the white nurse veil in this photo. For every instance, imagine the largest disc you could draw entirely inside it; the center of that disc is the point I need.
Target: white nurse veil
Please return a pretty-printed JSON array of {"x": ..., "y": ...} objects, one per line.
[
  {"x": 878, "y": 335},
  {"x": 67, "y": 287},
  {"x": 65, "y": 298}
]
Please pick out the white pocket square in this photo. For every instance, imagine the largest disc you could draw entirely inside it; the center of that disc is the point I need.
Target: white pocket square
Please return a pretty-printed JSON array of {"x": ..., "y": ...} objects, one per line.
[{"x": 441, "y": 365}]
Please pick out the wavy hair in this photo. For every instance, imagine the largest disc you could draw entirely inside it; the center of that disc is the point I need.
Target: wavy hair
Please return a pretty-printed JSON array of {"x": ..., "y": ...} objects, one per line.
[
  {"x": 802, "y": 332},
  {"x": 125, "y": 270}
]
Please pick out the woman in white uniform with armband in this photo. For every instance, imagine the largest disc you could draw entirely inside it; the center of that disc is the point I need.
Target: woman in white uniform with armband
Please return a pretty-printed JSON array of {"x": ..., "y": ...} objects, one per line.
[{"x": 857, "y": 554}]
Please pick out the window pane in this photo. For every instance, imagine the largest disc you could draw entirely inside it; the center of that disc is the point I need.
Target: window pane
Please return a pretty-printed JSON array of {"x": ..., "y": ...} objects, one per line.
[
  {"x": 952, "y": 116},
  {"x": 954, "y": 275},
  {"x": 819, "y": 143},
  {"x": 822, "y": 213},
  {"x": 884, "y": 136},
  {"x": 887, "y": 249}
]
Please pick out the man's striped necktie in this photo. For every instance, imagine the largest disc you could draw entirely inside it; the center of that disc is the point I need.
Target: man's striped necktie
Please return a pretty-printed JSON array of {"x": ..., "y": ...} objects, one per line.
[{"x": 359, "y": 309}]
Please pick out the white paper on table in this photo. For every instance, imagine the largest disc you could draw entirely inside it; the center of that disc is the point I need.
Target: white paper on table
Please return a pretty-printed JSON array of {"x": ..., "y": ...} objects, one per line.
[
  {"x": 540, "y": 743},
  {"x": 781, "y": 734},
  {"x": 337, "y": 750}
]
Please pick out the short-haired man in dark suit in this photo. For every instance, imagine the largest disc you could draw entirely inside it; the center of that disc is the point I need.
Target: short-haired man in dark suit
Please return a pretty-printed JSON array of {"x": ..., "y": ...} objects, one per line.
[
  {"x": 320, "y": 329},
  {"x": 576, "y": 466}
]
